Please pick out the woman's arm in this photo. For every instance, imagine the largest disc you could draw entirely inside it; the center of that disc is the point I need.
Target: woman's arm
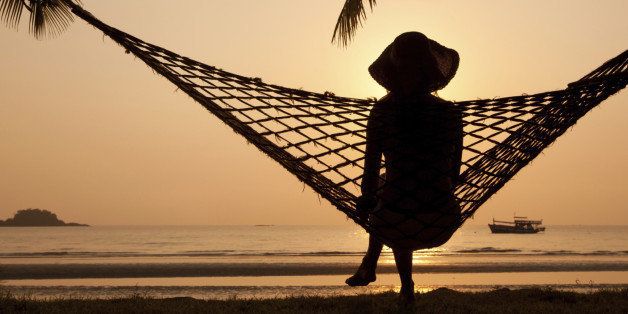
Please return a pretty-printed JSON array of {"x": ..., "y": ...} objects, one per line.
[
  {"x": 372, "y": 162},
  {"x": 458, "y": 142}
]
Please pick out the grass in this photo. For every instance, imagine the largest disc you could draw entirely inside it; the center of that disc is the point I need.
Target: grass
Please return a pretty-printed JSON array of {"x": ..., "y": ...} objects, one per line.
[{"x": 438, "y": 301}]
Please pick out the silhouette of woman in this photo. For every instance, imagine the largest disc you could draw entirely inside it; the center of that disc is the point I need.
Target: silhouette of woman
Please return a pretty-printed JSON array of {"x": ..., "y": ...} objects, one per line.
[{"x": 420, "y": 138}]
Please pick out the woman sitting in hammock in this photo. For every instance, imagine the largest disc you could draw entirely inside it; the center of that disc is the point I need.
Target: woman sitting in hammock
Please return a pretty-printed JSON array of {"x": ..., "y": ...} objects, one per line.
[{"x": 412, "y": 206}]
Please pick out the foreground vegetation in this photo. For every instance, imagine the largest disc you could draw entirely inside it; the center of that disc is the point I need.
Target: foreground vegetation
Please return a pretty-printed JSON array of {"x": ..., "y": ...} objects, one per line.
[{"x": 438, "y": 301}]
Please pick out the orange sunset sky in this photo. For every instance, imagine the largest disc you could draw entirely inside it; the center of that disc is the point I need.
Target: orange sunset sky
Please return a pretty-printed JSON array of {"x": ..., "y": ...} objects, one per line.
[{"x": 93, "y": 135}]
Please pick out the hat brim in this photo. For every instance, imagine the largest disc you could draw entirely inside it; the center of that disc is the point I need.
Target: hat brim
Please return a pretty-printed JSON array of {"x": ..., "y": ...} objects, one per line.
[{"x": 412, "y": 55}]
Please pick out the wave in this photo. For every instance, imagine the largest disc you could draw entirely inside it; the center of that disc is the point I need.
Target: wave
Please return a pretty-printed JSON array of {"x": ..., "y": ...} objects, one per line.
[
  {"x": 235, "y": 253},
  {"x": 539, "y": 252},
  {"x": 67, "y": 254},
  {"x": 488, "y": 249},
  {"x": 216, "y": 253},
  {"x": 592, "y": 253}
]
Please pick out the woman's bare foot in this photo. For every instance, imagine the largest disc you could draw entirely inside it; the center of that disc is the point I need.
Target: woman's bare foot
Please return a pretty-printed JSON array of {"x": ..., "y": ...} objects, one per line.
[
  {"x": 361, "y": 278},
  {"x": 406, "y": 295}
]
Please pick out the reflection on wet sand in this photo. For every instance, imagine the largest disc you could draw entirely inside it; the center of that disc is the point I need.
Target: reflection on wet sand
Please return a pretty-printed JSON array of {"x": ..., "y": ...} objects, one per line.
[{"x": 328, "y": 285}]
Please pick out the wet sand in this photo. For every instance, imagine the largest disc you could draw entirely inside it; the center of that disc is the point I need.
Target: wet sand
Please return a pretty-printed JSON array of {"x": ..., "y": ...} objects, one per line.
[
  {"x": 321, "y": 285},
  {"x": 133, "y": 270}
]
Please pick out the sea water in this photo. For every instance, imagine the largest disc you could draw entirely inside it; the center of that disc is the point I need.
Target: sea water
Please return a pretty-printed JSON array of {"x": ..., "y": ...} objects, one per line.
[{"x": 261, "y": 261}]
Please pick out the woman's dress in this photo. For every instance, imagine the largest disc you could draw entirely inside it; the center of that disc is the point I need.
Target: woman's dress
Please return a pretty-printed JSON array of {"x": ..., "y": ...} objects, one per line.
[{"x": 420, "y": 140}]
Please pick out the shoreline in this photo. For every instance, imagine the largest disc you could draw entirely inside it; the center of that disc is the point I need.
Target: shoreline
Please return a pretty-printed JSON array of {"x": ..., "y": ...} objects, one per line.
[
  {"x": 322, "y": 285},
  {"x": 210, "y": 269}
]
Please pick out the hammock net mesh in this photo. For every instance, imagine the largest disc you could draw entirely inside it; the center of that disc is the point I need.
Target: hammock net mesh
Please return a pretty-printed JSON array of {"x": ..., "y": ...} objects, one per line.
[{"x": 321, "y": 138}]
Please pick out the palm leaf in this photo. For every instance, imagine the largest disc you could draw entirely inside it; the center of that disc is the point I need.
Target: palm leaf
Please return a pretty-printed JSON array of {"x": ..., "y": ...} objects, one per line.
[
  {"x": 10, "y": 12},
  {"x": 47, "y": 18},
  {"x": 351, "y": 16}
]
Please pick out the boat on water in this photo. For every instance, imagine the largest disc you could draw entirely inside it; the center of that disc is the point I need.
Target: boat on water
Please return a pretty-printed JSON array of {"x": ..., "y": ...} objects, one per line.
[{"x": 519, "y": 225}]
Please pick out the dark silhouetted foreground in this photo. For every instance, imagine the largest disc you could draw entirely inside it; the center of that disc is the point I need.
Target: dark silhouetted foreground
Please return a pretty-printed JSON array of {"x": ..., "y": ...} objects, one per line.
[{"x": 438, "y": 301}]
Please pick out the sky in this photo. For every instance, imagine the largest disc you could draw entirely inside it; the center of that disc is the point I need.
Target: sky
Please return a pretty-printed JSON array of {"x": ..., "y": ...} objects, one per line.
[{"x": 92, "y": 134}]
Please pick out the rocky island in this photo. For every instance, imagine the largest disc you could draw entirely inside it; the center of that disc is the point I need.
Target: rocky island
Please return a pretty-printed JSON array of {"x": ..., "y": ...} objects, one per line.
[{"x": 37, "y": 218}]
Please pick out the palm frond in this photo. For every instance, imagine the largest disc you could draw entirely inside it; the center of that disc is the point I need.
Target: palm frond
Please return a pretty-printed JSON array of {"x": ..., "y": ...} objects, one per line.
[
  {"x": 351, "y": 16},
  {"x": 10, "y": 12},
  {"x": 47, "y": 18}
]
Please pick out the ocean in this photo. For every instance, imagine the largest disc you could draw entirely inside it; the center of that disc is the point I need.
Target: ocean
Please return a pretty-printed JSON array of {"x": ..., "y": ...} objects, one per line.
[{"x": 270, "y": 261}]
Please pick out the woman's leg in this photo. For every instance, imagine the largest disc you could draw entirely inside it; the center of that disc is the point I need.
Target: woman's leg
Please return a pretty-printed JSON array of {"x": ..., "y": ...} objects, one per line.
[
  {"x": 403, "y": 259},
  {"x": 369, "y": 262},
  {"x": 366, "y": 272}
]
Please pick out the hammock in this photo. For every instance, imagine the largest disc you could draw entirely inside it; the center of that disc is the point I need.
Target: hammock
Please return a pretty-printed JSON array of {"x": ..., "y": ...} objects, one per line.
[{"x": 320, "y": 138}]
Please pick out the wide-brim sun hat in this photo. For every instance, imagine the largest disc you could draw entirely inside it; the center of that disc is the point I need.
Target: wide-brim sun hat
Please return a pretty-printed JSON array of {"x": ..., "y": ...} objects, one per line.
[{"x": 413, "y": 57}]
